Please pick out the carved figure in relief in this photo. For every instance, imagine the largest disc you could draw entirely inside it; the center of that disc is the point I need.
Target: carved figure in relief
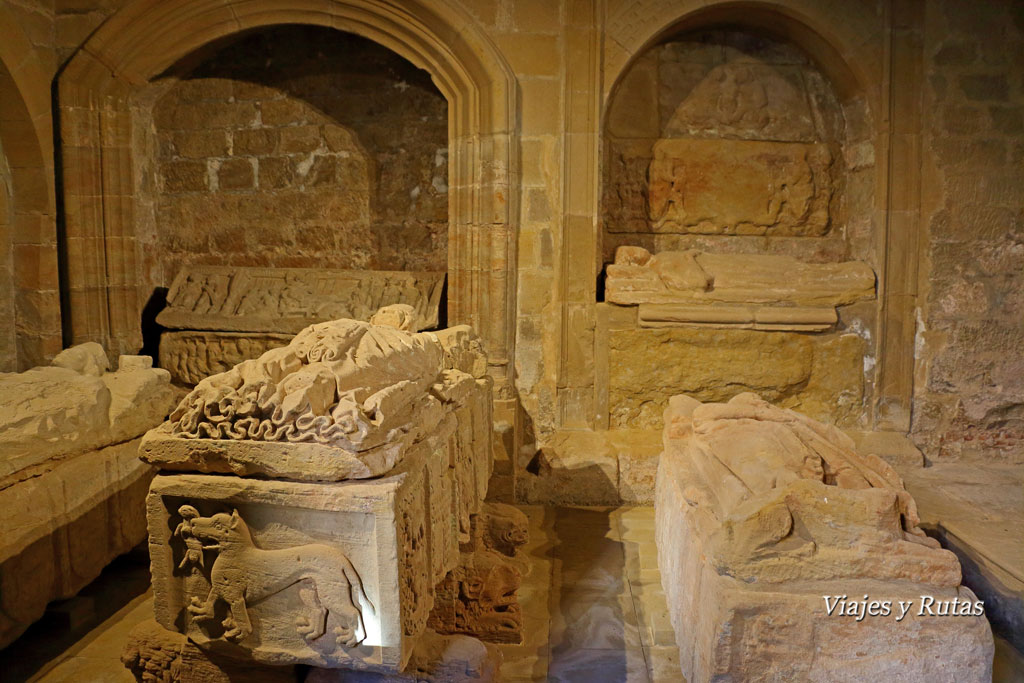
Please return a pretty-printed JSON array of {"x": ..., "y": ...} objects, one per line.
[
  {"x": 479, "y": 597},
  {"x": 193, "y": 545},
  {"x": 244, "y": 573}
]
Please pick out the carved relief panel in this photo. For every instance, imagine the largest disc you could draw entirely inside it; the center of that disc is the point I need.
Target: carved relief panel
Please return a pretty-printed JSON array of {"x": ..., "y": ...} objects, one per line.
[{"x": 283, "y": 572}]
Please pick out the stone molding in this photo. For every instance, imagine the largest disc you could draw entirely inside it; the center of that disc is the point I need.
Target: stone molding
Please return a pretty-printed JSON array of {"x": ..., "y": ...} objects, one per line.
[{"x": 26, "y": 134}]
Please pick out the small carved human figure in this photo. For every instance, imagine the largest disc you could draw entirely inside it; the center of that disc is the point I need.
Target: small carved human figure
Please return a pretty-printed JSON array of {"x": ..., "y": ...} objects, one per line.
[
  {"x": 242, "y": 572},
  {"x": 193, "y": 546}
]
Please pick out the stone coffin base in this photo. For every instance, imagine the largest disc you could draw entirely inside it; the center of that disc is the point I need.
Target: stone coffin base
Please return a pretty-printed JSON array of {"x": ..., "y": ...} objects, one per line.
[
  {"x": 153, "y": 653},
  {"x": 63, "y": 522},
  {"x": 192, "y": 355},
  {"x": 728, "y": 630}
]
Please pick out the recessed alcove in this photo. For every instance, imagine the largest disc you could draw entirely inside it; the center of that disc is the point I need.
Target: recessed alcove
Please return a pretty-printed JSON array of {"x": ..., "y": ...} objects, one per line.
[
  {"x": 728, "y": 140},
  {"x": 292, "y": 146}
]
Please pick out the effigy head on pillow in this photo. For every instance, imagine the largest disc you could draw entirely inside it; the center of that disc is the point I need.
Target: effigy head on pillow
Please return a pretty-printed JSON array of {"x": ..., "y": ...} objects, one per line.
[{"x": 363, "y": 390}]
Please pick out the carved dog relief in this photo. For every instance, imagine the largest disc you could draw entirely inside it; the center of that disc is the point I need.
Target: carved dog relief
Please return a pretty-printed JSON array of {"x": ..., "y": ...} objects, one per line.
[
  {"x": 280, "y": 572},
  {"x": 243, "y": 573}
]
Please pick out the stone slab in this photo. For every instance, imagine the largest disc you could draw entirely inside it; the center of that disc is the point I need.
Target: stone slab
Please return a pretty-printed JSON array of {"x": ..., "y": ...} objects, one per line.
[
  {"x": 52, "y": 412},
  {"x": 976, "y": 510},
  {"x": 285, "y": 300},
  {"x": 693, "y": 277},
  {"x": 821, "y": 375},
  {"x": 64, "y": 524},
  {"x": 192, "y": 355},
  {"x": 791, "y": 318},
  {"x": 739, "y": 187}
]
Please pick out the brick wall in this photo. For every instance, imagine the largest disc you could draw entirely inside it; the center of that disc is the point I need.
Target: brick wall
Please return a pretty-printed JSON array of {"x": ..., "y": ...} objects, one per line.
[
  {"x": 298, "y": 147},
  {"x": 970, "y": 390}
]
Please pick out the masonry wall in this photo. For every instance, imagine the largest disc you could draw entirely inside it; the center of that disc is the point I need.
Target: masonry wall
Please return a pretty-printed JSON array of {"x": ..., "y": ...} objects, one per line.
[
  {"x": 567, "y": 56},
  {"x": 732, "y": 88},
  {"x": 8, "y": 337},
  {"x": 970, "y": 384},
  {"x": 295, "y": 147}
]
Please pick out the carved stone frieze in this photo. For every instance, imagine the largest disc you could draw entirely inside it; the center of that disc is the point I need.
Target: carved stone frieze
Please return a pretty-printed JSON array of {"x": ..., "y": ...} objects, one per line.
[
  {"x": 739, "y": 187},
  {"x": 191, "y": 356},
  {"x": 479, "y": 597},
  {"x": 285, "y": 300},
  {"x": 325, "y": 574}
]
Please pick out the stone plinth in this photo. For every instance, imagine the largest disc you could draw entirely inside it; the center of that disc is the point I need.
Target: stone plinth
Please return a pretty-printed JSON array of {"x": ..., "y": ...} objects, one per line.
[
  {"x": 760, "y": 514},
  {"x": 279, "y": 572}
]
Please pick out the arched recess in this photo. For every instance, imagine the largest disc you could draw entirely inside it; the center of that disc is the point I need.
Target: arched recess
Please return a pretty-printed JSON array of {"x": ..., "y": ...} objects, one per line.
[
  {"x": 147, "y": 36},
  {"x": 837, "y": 35},
  {"x": 26, "y": 137},
  {"x": 853, "y": 50}
]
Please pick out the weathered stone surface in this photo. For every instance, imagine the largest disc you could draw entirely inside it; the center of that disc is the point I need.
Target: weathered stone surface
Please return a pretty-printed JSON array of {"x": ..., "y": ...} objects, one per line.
[
  {"x": 759, "y": 512},
  {"x": 696, "y": 277},
  {"x": 479, "y": 597},
  {"x": 333, "y": 154},
  {"x": 194, "y": 355},
  {"x": 575, "y": 467},
  {"x": 747, "y": 100},
  {"x": 64, "y": 520},
  {"x": 820, "y": 375},
  {"x": 285, "y": 300},
  {"x": 794, "y": 318},
  {"x": 435, "y": 659},
  {"x": 155, "y": 655},
  {"x": 345, "y": 399},
  {"x": 976, "y": 511},
  {"x": 332, "y": 575},
  {"x": 53, "y": 412},
  {"x": 739, "y": 187}
]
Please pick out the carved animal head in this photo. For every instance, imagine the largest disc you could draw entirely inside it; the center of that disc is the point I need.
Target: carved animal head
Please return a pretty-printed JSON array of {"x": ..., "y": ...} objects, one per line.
[
  {"x": 223, "y": 529},
  {"x": 506, "y": 529}
]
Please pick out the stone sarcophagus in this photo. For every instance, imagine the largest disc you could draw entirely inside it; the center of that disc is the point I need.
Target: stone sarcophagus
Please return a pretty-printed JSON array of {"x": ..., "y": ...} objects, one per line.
[
  {"x": 311, "y": 499},
  {"x": 785, "y": 555},
  {"x": 219, "y": 316}
]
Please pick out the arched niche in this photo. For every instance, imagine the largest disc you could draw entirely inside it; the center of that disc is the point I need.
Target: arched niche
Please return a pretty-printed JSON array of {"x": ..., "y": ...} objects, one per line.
[
  {"x": 290, "y": 146},
  {"x": 27, "y": 223},
  {"x": 145, "y": 38},
  {"x": 822, "y": 44}
]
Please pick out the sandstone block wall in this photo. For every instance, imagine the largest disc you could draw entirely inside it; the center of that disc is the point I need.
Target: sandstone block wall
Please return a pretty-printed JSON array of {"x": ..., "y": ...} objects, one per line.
[
  {"x": 8, "y": 338},
  {"x": 970, "y": 398},
  {"x": 706, "y": 130},
  {"x": 296, "y": 147},
  {"x": 925, "y": 184}
]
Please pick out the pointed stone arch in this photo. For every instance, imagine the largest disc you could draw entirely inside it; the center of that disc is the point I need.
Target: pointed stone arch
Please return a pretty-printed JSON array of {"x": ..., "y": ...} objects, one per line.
[
  {"x": 26, "y": 137},
  {"x": 146, "y": 37}
]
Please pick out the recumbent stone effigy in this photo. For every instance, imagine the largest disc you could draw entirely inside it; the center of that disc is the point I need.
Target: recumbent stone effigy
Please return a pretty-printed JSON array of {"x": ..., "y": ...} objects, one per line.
[
  {"x": 360, "y": 453},
  {"x": 760, "y": 514}
]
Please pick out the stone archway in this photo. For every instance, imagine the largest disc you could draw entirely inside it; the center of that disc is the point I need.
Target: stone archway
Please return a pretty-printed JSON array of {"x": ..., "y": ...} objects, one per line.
[
  {"x": 26, "y": 138},
  {"x": 145, "y": 37}
]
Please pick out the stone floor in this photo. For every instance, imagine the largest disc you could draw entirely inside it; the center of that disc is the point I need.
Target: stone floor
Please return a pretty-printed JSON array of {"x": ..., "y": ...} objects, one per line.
[{"x": 593, "y": 609}]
